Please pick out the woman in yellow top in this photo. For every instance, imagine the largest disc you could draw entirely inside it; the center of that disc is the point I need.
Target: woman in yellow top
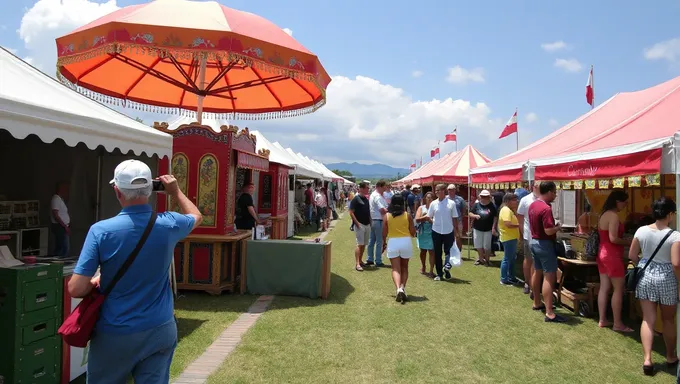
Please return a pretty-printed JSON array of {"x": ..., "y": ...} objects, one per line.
[
  {"x": 508, "y": 226},
  {"x": 398, "y": 230}
]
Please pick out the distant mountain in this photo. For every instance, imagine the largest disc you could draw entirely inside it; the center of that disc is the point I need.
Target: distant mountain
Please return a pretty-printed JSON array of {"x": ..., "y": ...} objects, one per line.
[{"x": 369, "y": 171}]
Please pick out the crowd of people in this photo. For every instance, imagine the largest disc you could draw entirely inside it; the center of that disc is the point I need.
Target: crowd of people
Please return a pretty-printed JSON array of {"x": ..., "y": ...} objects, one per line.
[{"x": 522, "y": 221}]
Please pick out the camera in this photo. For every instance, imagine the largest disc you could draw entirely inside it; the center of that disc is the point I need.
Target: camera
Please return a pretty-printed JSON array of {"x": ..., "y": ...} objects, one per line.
[{"x": 157, "y": 186}]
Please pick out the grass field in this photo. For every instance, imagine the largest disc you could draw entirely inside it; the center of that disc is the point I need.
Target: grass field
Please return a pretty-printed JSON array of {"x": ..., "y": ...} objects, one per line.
[
  {"x": 468, "y": 330},
  {"x": 200, "y": 319}
]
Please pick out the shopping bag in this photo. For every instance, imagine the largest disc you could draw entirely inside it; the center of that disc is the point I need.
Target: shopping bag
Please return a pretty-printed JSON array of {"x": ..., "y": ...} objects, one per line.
[{"x": 454, "y": 257}]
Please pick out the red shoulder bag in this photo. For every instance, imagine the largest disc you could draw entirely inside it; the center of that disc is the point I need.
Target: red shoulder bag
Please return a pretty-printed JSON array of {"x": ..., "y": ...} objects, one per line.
[{"x": 77, "y": 329}]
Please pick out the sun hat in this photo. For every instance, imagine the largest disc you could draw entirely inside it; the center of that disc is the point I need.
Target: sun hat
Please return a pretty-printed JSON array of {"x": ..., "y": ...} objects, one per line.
[{"x": 485, "y": 193}]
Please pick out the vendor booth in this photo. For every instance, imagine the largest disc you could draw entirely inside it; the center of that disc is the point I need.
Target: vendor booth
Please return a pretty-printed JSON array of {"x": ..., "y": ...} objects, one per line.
[
  {"x": 628, "y": 142},
  {"x": 272, "y": 200},
  {"x": 212, "y": 164},
  {"x": 50, "y": 134}
]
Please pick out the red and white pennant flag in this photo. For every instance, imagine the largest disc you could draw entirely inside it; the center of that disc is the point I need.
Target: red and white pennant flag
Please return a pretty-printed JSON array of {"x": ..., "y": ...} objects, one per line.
[
  {"x": 434, "y": 152},
  {"x": 590, "y": 91},
  {"x": 510, "y": 127},
  {"x": 453, "y": 136}
]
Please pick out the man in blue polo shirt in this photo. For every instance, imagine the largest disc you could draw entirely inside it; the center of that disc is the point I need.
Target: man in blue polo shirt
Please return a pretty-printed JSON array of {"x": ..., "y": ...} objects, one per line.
[{"x": 136, "y": 334}]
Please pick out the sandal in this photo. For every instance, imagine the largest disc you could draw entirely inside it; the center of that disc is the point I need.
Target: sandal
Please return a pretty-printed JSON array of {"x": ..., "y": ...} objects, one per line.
[
  {"x": 422, "y": 271},
  {"x": 604, "y": 324},
  {"x": 359, "y": 268},
  {"x": 648, "y": 370},
  {"x": 539, "y": 308},
  {"x": 625, "y": 330}
]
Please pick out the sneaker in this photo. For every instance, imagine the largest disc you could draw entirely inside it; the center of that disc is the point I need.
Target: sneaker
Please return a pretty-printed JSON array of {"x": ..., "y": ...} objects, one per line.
[
  {"x": 400, "y": 295},
  {"x": 437, "y": 278},
  {"x": 380, "y": 265},
  {"x": 506, "y": 283},
  {"x": 447, "y": 267},
  {"x": 447, "y": 275},
  {"x": 369, "y": 263},
  {"x": 527, "y": 290},
  {"x": 478, "y": 262}
]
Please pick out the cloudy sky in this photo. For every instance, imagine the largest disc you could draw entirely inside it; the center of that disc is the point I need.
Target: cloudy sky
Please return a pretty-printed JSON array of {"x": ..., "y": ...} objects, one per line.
[{"x": 405, "y": 73}]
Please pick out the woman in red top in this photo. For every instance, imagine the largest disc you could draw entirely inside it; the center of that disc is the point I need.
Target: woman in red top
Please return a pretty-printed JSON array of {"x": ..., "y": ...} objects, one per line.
[{"x": 610, "y": 262}]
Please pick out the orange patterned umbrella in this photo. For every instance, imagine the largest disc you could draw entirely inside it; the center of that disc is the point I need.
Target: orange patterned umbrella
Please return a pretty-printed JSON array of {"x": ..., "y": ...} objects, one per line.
[{"x": 172, "y": 56}]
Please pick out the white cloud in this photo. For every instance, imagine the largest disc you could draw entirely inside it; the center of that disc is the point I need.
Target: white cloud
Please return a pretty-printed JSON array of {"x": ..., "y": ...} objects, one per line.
[
  {"x": 668, "y": 50},
  {"x": 307, "y": 137},
  {"x": 568, "y": 65},
  {"x": 48, "y": 19},
  {"x": 460, "y": 75},
  {"x": 553, "y": 123},
  {"x": 554, "y": 46},
  {"x": 365, "y": 120},
  {"x": 288, "y": 31},
  {"x": 531, "y": 117},
  {"x": 417, "y": 73}
]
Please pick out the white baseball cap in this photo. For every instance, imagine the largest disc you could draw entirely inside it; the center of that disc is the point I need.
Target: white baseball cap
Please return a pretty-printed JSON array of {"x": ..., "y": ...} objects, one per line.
[
  {"x": 485, "y": 193},
  {"x": 451, "y": 186},
  {"x": 415, "y": 186},
  {"x": 132, "y": 174}
]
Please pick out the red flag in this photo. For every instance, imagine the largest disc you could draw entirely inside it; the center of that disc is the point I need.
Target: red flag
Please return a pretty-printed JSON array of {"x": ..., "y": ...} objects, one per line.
[
  {"x": 510, "y": 127},
  {"x": 451, "y": 136},
  {"x": 434, "y": 152},
  {"x": 590, "y": 91},
  {"x": 413, "y": 165}
]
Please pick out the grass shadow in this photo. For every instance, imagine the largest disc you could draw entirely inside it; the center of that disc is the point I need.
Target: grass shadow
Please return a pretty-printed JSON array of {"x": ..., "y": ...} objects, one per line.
[
  {"x": 340, "y": 290},
  {"x": 455, "y": 280},
  {"x": 198, "y": 301},
  {"x": 186, "y": 327}
]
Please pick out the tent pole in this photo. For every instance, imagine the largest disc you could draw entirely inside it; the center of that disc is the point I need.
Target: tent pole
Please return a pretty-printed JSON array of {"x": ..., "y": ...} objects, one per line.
[
  {"x": 97, "y": 208},
  {"x": 468, "y": 209}
]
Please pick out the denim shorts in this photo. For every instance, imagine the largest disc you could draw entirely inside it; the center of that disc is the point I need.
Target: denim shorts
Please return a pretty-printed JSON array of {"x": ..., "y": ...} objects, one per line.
[
  {"x": 544, "y": 254},
  {"x": 145, "y": 356}
]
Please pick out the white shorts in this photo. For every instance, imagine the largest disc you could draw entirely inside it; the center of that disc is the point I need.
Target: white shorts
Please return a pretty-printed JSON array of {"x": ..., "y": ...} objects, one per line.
[
  {"x": 482, "y": 240},
  {"x": 399, "y": 247},
  {"x": 362, "y": 233}
]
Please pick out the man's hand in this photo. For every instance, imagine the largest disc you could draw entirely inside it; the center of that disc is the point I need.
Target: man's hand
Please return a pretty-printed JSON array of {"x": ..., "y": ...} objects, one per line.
[
  {"x": 493, "y": 232},
  {"x": 67, "y": 229},
  {"x": 96, "y": 281},
  {"x": 170, "y": 184}
]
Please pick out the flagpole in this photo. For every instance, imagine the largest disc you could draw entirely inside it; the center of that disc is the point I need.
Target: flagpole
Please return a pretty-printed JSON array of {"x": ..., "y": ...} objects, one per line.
[
  {"x": 456, "y": 138},
  {"x": 439, "y": 151}
]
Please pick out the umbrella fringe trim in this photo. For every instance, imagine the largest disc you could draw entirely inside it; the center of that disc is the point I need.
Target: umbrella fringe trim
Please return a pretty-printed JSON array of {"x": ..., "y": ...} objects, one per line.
[
  {"x": 183, "y": 54},
  {"x": 128, "y": 104}
]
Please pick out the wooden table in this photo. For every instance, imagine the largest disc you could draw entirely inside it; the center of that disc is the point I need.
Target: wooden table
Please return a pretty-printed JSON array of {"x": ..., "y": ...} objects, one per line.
[
  {"x": 210, "y": 263},
  {"x": 580, "y": 303}
]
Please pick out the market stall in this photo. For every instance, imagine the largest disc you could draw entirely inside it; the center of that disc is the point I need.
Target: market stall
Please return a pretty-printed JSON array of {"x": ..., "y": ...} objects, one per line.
[
  {"x": 454, "y": 169},
  {"x": 212, "y": 165},
  {"x": 628, "y": 142},
  {"x": 273, "y": 199},
  {"x": 51, "y": 134}
]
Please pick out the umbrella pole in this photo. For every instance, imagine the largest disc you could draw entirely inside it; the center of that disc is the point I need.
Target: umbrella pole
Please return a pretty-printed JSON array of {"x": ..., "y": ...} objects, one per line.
[
  {"x": 469, "y": 222},
  {"x": 201, "y": 86}
]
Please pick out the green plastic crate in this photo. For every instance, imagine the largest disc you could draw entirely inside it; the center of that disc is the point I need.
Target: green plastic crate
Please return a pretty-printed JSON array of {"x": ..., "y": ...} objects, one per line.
[{"x": 30, "y": 314}]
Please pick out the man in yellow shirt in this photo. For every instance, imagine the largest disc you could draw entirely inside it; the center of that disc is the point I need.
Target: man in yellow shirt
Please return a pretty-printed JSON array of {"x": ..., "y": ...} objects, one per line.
[{"x": 508, "y": 226}]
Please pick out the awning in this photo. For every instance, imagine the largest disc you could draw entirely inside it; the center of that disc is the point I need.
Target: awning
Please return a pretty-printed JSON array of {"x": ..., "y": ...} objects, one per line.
[
  {"x": 616, "y": 131},
  {"x": 33, "y": 103},
  {"x": 251, "y": 161}
]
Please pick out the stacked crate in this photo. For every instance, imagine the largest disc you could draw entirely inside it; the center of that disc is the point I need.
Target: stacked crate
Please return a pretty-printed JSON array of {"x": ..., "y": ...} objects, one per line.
[{"x": 30, "y": 314}]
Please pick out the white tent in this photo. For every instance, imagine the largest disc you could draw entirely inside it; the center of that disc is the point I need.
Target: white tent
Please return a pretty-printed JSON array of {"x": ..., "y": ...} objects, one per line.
[
  {"x": 279, "y": 155},
  {"x": 33, "y": 103}
]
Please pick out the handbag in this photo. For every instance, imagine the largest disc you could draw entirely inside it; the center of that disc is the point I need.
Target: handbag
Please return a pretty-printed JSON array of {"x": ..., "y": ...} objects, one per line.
[
  {"x": 634, "y": 275},
  {"x": 77, "y": 329}
]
